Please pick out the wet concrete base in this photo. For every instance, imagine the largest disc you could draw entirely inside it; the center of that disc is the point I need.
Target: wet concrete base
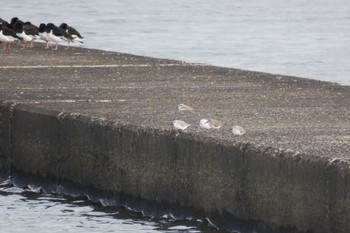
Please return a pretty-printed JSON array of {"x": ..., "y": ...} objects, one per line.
[{"x": 218, "y": 222}]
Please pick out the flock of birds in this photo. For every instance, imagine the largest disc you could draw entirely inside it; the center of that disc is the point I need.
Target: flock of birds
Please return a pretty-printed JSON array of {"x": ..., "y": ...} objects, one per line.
[
  {"x": 205, "y": 123},
  {"x": 26, "y": 33}
]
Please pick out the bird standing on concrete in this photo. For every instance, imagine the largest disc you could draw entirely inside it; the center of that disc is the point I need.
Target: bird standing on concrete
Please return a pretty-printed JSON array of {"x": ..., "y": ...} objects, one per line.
[
  {"x": 32, "y": 30},
  {"x": 7, "y": 36},
  {"x": 184, "y": 107},
  {"x": 180, "y": 125},
  {"x": 43, "y": 35},
  {"x": 210, "y": 124},
  {"x": 26, "y": 32},
  {"x": 204, "y": 124},
  {"x": 76, "y": 37},
  {"x": 215, "y": 124},
  {"x": 56, "y": 34},
  {"x": 238, "y": 130}
]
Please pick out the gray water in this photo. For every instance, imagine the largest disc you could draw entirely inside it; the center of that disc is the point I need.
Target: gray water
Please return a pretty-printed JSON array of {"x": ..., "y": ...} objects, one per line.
[
  {"x": 307, "y": 38},
  {"x": 26, "y": 206}
]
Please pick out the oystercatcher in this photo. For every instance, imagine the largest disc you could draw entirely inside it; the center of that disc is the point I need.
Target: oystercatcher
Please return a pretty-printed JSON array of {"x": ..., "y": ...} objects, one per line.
[
  {"x": 43, "y": 35},
  {"x": 56, "y": 34},
  {"x": 26, "y": 32},
  {"x": 73, "y": 33},
  {"x": 7, "y": 36}
]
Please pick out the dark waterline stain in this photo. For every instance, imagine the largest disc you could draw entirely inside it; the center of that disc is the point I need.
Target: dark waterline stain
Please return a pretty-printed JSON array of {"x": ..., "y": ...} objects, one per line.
[
  {"x": 38, "y": 191},
  {"x": 162, "y": 217}
]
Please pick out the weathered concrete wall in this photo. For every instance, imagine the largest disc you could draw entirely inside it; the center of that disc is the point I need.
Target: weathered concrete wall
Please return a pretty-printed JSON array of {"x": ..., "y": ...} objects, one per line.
[
  {"x": 34, "y": 134},
  {"x": 281, "y": 188},
  {"x": 5, "y": 139}
]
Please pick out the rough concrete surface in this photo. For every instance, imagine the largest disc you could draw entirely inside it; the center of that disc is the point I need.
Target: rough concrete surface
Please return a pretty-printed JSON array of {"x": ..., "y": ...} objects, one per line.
[{"x": 104, "y": 119}]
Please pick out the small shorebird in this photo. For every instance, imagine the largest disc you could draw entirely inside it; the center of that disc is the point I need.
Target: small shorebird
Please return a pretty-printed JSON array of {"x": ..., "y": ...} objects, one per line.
[
  {"x": 7, "y": 36},
  {"x": 56, "y": 34},
  {"x": 184, "y": 107},
  {"x": 43, "y": 35},
  {"x": 238, "y": 130},
  {"x": 76, "y": 37},
  {"x": 215, "y": 124},
  {"x": 32, "y": 30},
  {"x": 204, "y": 124},
  {"x": 210, "y": 124},
  {"x": 181, "y": 125},
  {"x": 26, "y": 33}
]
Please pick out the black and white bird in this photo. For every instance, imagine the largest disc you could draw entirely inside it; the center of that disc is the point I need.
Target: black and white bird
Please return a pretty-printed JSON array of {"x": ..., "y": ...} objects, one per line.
[
  {"x": 43, "y": 35},
  {"x": 73, "y": 33},
  {"x": 7, "y": 36},
  {"x": 56, "y": 34},
  {"x": 26, "y": 32},
  {"x": 33, "y": 30}
]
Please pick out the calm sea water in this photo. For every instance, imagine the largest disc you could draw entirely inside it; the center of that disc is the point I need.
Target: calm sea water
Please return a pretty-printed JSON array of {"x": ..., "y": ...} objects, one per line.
[
  {"x": 307, "y": 38},
  {"x": 41, "y": 206}
]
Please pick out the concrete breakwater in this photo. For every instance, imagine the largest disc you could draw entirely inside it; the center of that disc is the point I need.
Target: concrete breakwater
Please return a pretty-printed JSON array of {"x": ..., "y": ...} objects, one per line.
[{"x": 104, "y": 119}]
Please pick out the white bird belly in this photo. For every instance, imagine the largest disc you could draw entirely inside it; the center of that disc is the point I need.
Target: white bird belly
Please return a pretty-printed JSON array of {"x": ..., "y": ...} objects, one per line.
[{"x": 25, "y": 37}]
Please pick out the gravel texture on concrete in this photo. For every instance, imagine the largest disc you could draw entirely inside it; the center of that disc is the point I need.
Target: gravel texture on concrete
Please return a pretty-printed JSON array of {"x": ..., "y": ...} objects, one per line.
[{"x": 307, "y": 116}]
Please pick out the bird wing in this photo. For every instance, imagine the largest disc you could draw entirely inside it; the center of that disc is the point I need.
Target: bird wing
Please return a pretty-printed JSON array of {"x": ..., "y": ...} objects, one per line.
[
  {"x": 31, "y": 30},
  {"x": 73, "y": 31},
  {"x": 60, "y": 32},
  {"x": 9, "y": 32}
]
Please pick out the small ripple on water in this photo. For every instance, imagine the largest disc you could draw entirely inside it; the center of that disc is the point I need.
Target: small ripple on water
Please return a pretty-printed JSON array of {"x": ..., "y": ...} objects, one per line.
[{"x": 30, "y": 209}]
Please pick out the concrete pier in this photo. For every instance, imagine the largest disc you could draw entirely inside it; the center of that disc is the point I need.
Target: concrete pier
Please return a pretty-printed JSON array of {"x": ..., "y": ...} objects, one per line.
[{"x": 104, "y": 119}]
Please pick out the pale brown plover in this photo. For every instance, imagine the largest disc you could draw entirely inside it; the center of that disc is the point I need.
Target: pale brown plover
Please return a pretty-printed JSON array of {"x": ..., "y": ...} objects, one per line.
[
  {"x": 204, "y": 124},
  {"x": 180, "y": 125},
  {"x": 215, "y": 124},
  {"x": 238, "y": 130},
  {"x": 184, "y": 107}
]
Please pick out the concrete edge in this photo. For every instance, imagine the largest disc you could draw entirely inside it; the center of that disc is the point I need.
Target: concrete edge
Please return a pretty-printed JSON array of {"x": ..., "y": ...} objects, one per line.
[{"x": 280, "y": 187}]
